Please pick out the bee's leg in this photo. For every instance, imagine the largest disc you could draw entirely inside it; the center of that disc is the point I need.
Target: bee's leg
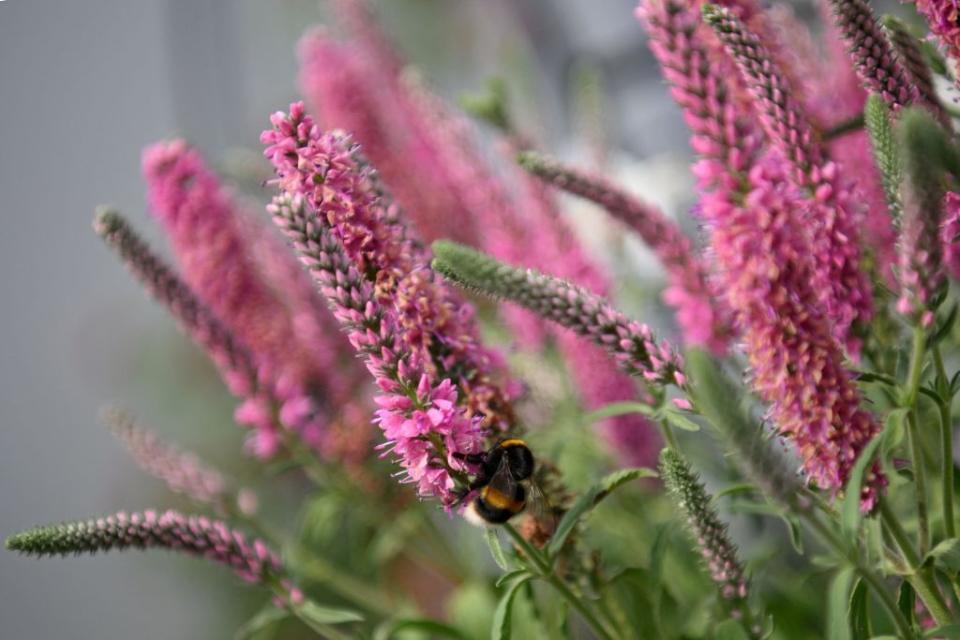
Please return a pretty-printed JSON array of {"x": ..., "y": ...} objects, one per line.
[{"x": 471, "y": 458}]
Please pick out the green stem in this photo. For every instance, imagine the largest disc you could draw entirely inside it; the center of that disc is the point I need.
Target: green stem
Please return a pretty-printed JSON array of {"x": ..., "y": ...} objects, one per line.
[
  {"x": 920, "y": 482},
  {"x": 909, "y": 401},
  {"x": 359, "y": 593},
  {"x": 946, "y": 446},
  {"x": 921, "y": 579},
  {"x": 848, "y": 126},
  {"x": 916, "y": 367},
  {"x": 543, "y": 567},
  {"x": 668, "y": 436}
]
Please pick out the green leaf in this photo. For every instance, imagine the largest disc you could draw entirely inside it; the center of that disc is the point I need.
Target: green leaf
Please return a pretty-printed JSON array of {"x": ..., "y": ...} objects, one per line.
[
  {"x": 838, "y": 600},
  {"x": 510, "y": 576},
  {"x": 906, "y": 601},
  {"x": 944, "y": 328},
  {"x": 858, "y": 612},
  {"x": 679, "y": 420},
  {"x": 591, "y": 498},
  {"x": 501, "y": 629},
  {"x": 496, "y": 550},
  {"x": 950, "y": 631},
  {"x": 793, "y": 528},
  {"x": 317, "y": 616},
  {"x": 434, "y": 629},
  {"x": 734, "y": 489},
  {"x": 730, "y": 630},
  {"x": 850, "y": 513},
  {"x": 265, "y": 618},
  {"x": 946, "y": 556},
  {"x": 619, "y": 409}
]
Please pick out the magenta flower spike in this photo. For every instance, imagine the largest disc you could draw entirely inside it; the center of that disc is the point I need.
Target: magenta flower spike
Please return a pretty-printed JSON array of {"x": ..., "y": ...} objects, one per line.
[
  {"x": 942, "y": 18},
  {"x": 208, "y": 236},
  {"x": 424, "y": 426},
  {"x": 845, "y": 290},
  {"x": 347, "y": 88},
  {"x": 874, "y": 58},
  {"x": 327, "y": 171},
  {"x": 762, "y": 248},
  {"x": 702, "y": 319}
]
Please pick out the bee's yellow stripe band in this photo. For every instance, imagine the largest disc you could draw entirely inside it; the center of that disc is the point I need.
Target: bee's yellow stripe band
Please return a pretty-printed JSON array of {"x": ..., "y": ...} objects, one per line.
[
  {"x": 499, "y": 500},
  {"x": 513, "y": 442}
]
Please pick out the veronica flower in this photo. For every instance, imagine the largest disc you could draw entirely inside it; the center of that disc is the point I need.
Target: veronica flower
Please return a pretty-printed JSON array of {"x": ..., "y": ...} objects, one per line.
[
  {"x": 763, "y": 251},
  {"x": 253, "y": 561},
  {"x": 327, "y": 171},
  {"x": 419, "y": 416},
  {"x": 347, "y": 87},
  {"x": 236, "y": 364},
  {"x": 689, "y": 291},
  {"x": 207, "y": 234},
  {"x": 914, "y": 61},
  {"x": 874, "y": 59},
  {"x": 846, "y": 294},
  {"x": 631, "y": 343},
  {"x": 182, "y": 472},
  {"x": 710, "y": 534},
  {"x": 942, "y": 18}
]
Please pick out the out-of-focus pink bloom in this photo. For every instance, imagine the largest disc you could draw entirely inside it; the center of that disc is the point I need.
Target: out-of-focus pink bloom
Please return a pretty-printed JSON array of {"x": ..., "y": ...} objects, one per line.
[
  {"x": 348, "y": 89},
  {"x": 951, "y": 234},
  {"x": 207, "y": 234},
  {"x": 182, "y": 472},
  {"x": 762, "y": 248},
  {"x": 328, "y": 172}
]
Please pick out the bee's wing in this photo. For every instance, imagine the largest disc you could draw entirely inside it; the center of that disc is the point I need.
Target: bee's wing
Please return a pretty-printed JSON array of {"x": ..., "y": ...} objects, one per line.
[
  {"x": 503, "y": 481},
  {"x": 539, "y": 506}
]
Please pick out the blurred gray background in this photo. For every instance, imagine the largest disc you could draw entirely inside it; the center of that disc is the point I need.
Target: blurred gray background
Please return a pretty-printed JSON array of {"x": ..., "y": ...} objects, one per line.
[{"x": 86, "y": 84}]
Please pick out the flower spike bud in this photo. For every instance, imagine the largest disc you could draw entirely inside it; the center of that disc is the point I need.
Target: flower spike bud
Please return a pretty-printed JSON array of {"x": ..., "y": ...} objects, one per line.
[
  {"x": 711, "y": 536},
  {"x": 703, "y": 320},
  {"x": 630, "y": 343},
  {"x": 843, "y": 287},
  {"x": 253, "y": 561},
  {"x": 922, "y": 277},
  {"x": 874, "y": 58},
  {"x": 182, "y": 472},
  {"x": 750, "y": 449},
  {"x": 234, "y": 361},
  {"x": 911, "y": 56},
  {"x": 885, "y": 152}
]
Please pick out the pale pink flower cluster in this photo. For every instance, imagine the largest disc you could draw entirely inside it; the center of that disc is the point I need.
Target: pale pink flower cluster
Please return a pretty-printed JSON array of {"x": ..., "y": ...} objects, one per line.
[{"x": 211, "y": 241}]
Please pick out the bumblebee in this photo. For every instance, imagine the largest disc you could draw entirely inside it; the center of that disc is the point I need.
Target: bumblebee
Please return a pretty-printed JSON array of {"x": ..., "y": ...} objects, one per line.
[{"x": 503, "y": 471}]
